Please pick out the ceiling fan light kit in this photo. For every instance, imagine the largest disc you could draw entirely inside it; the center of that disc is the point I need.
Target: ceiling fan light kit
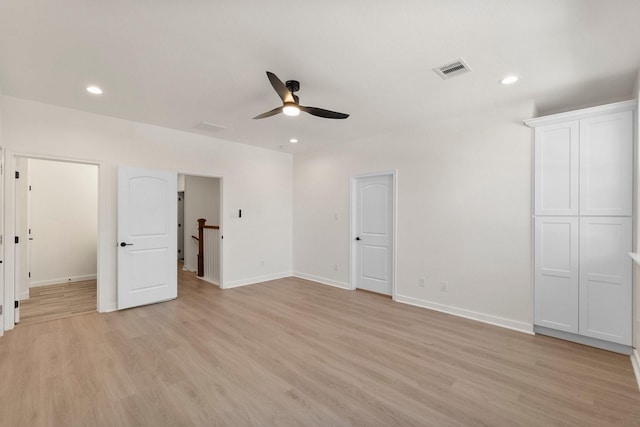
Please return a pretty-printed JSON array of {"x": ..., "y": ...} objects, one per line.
[
  {"x": 291, "y": 110},
  {"x": 291, "y": 102}
]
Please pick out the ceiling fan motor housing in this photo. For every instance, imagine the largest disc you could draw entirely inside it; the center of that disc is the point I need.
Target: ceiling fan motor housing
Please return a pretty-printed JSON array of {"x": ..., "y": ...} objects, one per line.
[{"x": 293, "y": 85}]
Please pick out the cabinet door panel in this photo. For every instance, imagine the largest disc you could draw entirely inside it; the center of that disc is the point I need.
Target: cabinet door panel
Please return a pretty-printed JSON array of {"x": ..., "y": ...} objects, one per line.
[
  {"x": 556, "y": 273},
  {"x": 606, "y": 165},
  {"x": 556, "y": 169},
  {"x": 605, "y": 279}
]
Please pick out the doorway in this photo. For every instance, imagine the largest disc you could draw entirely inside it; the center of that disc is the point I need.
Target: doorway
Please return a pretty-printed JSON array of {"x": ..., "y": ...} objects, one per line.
[
  {"x": 373, "y": 231},
  {"x": 202, "y": 198},
  {"x": 56, "y": 224}
]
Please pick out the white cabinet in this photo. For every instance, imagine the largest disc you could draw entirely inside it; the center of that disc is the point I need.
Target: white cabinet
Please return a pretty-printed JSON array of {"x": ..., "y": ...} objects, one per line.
[
  {"x": 605, "y": 278},
  {"x": 583, "y": 207},
  {"x": 556, "y": 169},
  {"x": 585, "y": 167},
  {"x": 606, "y": 165},
  {"x": 556, "y": 273}
]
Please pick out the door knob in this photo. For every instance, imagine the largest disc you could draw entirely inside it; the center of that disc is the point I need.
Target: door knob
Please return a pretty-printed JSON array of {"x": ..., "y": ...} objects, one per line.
[
  {"x": 123, "y": 244},
  {"x": 357, "y": 238}
]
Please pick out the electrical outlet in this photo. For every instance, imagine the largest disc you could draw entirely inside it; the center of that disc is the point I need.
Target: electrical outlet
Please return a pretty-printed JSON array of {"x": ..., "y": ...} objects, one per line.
[
  {"x": 421, "y": 282},
  {"x": 335, "y": 267},
  {"x": 261, "y": 263},
  {"x": 443, "y": 286}
]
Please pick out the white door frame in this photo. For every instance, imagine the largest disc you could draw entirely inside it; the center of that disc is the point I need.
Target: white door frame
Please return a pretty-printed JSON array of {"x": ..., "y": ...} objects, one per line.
[
  {"x": 10, "y": 230},
  {"x": 221, "y": 215},
  {"x": 2, "y": 236},
  {"x": 353, "y": 181}
]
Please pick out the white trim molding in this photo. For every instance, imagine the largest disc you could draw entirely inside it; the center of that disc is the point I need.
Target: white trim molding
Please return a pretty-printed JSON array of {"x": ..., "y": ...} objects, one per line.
[
  {"x": 108, "y": 308},
  {"x": 635, "y": 362},
  {"x": 468, "y": 314},
  {"x": 323, "y": 280},
  {"x": 582, "y": 114}
]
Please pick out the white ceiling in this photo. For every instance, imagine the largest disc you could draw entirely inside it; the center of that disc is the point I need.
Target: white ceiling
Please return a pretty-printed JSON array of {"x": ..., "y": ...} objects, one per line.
[{"x": 177, "y": 63}]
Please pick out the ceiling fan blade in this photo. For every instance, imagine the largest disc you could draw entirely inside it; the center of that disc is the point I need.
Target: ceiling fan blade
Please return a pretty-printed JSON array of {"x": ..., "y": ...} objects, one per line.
[
  {"x": 323, "y": 113},
  {"x": 269, "y": 113},
  {"x": 280, "y": 88}
]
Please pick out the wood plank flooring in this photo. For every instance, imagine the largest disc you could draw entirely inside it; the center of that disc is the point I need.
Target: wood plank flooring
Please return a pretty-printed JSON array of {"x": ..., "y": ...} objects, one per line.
[
  {"x": 293, "y": 353},
  {"x": 58, "y": 301}
]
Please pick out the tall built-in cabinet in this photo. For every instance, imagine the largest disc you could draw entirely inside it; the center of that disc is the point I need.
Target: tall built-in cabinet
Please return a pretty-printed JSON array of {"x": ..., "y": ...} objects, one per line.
[{"x": 583, "y": 209}]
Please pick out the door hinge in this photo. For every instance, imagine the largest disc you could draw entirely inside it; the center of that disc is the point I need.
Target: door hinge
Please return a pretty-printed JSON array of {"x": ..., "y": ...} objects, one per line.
[
  {"x": 29, "y": 188},
  {"x": 17, "y": 174},
  {"x": 17, "y": 239},
  {"x": 16, "y": 304},
  {"x": 29, "y": 274},
  {"x": 0, "y": 309}
]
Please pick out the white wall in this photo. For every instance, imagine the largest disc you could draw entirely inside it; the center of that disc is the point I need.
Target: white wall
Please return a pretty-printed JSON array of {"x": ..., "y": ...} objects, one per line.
[
  {"x": 63, "y": 210},
  {"x": 258, "y": 181},
  {"x": 464, "y": 213},
  {"x": 201, "y": 200}
]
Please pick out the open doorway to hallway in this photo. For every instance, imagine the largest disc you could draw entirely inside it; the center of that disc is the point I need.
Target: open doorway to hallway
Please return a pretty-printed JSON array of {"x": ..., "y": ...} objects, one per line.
[
  {"x": 200, "y": 250},
  {"x": 57, "y": 234}
]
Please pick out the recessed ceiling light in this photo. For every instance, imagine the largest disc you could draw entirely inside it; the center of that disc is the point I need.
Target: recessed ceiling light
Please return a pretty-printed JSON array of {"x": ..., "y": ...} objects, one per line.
[
  {"x": 508, "y": 80},
  {"x": 284, "y": 147},
  {"x": 94, "y": 90},
  {"x": 293, "y": 141}
]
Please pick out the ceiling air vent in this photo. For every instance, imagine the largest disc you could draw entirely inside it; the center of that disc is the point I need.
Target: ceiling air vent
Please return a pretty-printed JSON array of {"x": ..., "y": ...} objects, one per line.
[
  {"x": 452, "y": 69},
  {"x": 209, "y": 127}
]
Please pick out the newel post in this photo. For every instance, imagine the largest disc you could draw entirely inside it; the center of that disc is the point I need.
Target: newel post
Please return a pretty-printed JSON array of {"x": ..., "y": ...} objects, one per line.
[{"x": 201, "y": 222}]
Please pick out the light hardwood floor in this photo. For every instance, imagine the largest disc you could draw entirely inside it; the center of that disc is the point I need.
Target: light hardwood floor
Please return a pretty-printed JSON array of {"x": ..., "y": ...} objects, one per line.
[
  {"x": 294, "y": 353},
  {"x": 58, "y": 301}
]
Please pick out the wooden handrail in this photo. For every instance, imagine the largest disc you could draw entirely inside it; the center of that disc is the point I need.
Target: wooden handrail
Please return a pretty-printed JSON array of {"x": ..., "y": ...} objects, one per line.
[
  {"x": 212, "y": 227},
  {"x": 195, "y": 237}
]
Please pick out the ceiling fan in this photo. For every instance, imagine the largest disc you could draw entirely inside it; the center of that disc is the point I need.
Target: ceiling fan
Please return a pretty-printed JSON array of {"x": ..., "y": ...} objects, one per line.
[{"x": 290, "y": 101}]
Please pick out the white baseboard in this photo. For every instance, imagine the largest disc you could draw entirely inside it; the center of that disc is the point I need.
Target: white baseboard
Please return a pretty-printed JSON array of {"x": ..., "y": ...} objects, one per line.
[
  {"x": 635, "y": 362},
  {"x": 62, "y": 280},
  {"x": 468, "y": 314},
  {"x": 24, "y": 295},
  {"x": 323, "y": 280},
  {"x": 108, "y": 308},
  {"x": 254, "y": 280},
  {"x": 186, "y": 267}
]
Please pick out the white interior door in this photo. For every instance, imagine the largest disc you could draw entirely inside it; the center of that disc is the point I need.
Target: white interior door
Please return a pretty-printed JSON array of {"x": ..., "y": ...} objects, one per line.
[
  {"x": 147, "y": 237},
  {"x": 374, "y": 227}
]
